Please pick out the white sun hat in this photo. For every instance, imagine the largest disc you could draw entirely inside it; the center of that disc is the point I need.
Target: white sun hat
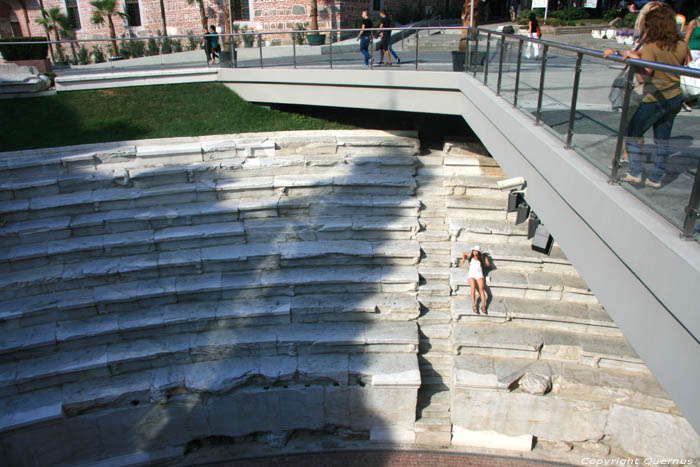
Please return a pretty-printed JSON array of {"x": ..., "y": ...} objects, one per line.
[{"x": 476, "y": 248}]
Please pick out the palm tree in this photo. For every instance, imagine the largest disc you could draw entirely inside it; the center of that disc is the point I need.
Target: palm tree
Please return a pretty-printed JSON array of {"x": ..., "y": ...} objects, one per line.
[
  {"x": 51, "y": 21},
  {"x": 314, "y": 15},
  {"x": 46, "y": 30},
  {"x": 105, "y": 9},
  {"x": 65, "y": 25},
  {"x": 202, "y": 13}
]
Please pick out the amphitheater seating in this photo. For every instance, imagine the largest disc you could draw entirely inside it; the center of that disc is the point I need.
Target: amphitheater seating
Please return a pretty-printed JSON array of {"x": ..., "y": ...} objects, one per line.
[{"x": 207, "y": 276}]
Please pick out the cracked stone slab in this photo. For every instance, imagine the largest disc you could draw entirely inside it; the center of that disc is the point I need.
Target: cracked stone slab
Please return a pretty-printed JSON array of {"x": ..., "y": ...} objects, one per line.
[
  {"x": 29, "y": 409},
  {"x": 279, "y": 306},
  {"x": 199, "y": 231},
  {"x": 298, "y": 250}
]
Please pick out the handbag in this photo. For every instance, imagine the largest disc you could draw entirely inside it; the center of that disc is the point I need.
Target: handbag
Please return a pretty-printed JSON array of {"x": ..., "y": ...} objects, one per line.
[
  {"x": 617, "y": 93},
  {"x": 690, "y": 85}
]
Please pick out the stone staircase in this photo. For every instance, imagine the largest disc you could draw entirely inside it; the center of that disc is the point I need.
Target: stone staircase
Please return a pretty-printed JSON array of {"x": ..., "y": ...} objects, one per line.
[
  {"x": 546, "y": 363},
  {"x": 157, "y": 293}
]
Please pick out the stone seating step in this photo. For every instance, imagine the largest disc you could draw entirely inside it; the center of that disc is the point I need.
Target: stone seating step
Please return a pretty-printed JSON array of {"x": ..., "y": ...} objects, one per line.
[
  {"x": 123, "y": 357},
  {"x": 432, "y": 438},
  {"x": 208, "y": 148},
  {"x": 353, "y": 307},
  {"x": 516, "y": 255},
  {"x": 536, "y": 285},
  {"x": 434, "y": 423},
  {"x": 158, "y": 217},
  {"x": 125, "y": 243},
  {"x": 149, "y": 385},
  {"x": 497, "y": 340},
  {"x": 197, "y": 316},
  {"x": 435, "y": 331},
  {"x": 573, "y": 380},
  {"x": 106, "y": 199},
  {"x": 574, "y": 317},
  {"x": 385, "y": 279}
]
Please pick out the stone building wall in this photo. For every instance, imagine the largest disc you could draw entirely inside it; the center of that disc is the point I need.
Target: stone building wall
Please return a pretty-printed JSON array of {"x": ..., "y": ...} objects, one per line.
[{"x": 266, "y": 15}]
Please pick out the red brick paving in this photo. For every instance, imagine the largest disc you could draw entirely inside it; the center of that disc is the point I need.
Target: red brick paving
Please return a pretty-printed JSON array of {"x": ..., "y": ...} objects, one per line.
[{"x": 385, "y": 459}]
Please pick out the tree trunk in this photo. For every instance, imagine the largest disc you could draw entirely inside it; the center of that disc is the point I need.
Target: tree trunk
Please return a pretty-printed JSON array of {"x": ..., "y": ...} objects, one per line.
[
  {"x": 467, "y": 22},
  {"x": 59, "y": 49},
  {"x": 162, "y": 17},
  {"x": 75, "y": 55},
  {"x": 113, "y": 36},
  {"x": 46, "y": 30},
  {"x": 314, "y": 15},
  {"x": 203, "y": 14}
]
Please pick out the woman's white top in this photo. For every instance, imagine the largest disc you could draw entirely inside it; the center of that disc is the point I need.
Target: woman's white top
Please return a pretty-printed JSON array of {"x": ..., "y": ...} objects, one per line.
[{"x": 475, "y": 271}]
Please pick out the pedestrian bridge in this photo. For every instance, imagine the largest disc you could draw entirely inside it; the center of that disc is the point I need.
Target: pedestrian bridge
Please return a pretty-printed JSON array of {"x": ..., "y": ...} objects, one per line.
[{"x": 635, "y": 247}]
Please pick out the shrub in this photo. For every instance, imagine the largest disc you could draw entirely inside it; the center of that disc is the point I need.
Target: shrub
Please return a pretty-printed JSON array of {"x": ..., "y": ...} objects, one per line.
[
  {"x": 236, "y": 39},
  {"x": 83, "y": 55},
  {"x": 24, "y": 51},
  {"x": 525, "y": 15},
  {"x": 98, "y": 54},
  {"x": 553, "y": 22},
  {"x": 630, "y": 19},
  {"x": 299, "y": 37},
  {"x": 191, "y": 41},
  {"x": 138, "y": 48},
  {"x": 153, "y": 48},
  {"x": 167, "y": 45},
  {"x": 52, "y": 76},
  {"x": 177, "y": 45},
  {"x": 609, "y": 15},
  {"x": 569, "y": 14},
  {"x": 125, "y": 50},
  {"x": 248, "y": 39}
]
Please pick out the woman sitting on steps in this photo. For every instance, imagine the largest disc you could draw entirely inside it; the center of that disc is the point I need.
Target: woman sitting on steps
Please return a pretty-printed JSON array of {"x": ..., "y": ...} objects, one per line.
[{"x": 477, "y": 261}]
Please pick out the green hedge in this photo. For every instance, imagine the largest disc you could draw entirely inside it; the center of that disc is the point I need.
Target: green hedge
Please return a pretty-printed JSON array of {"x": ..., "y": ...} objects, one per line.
[{"x": 24, "y": 51}]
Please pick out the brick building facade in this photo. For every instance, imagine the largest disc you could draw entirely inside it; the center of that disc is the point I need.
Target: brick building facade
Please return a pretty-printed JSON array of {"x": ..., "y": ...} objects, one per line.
[{"x": 18, "y": 17}]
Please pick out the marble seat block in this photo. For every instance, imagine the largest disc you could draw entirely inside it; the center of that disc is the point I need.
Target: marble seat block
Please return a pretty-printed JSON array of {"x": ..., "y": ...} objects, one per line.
[
  {"x": 610, "y": 352},
  {"x": 169, "y": 154},
  {"x": 28, "y": 409},
  {"x": 200, "y": 231},
  {"x": 498, "y": 340},
  {"x": 340, "y": 307},
  {"x": 27, "y": 338},
  {"x": 491, "y": 440},
  {"x": 546, "y": 417},
  {"x": 299, "y": 250}
]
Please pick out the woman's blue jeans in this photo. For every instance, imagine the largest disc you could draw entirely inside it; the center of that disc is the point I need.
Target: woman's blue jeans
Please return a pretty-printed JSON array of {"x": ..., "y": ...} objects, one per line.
[
  {"x": 364, "y": 45},
  {"x": 660, "y": 116}
]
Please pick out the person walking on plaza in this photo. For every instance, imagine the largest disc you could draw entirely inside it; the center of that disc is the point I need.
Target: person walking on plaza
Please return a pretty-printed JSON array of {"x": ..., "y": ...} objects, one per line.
[
  {"x": 533, "y": 30},
  {"x": 365, "y": 38},
  {"x": 692, "y": 37},
  {"x": 662, "y": 97},
  {"x": 475, "y": 276},
  {"x": 385, "y": 45},
  {"x": 211, "y": 45}
]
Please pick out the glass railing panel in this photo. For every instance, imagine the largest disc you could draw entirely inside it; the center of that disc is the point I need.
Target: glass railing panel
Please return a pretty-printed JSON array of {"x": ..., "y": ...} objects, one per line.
[
  {"x": 596, "y": 123},
  {"x": 558, "y": 88},
  {"x": 509, "y": 69}
]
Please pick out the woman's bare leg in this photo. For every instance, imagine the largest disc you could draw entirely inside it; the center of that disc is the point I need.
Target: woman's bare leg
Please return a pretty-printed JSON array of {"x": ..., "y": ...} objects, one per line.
[
  {"x": 482, "y": 293},
  {"x": 472, "y": 286}
]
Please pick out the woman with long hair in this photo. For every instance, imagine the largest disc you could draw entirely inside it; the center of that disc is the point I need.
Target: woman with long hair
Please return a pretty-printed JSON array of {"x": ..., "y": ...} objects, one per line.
[
  {"x": 475, "y": 276},
  {"x": 533, "y": 30},
  {"x": 662, "y": 93}
]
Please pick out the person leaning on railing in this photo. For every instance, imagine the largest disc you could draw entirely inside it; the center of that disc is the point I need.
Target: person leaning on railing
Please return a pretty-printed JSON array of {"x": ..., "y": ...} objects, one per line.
[{"x": 662, "y": 98}]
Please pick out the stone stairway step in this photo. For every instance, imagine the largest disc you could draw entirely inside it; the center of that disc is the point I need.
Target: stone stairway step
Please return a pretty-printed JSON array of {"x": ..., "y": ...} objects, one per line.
[
  {"x": 433, "y": 235},
  {"x": 434, "y": 289},
  {"x": 435, "y": 424},
  {"x": 141, "y": 354},
  {"x": 434, "y": 303},
  {"x": 435, "y": 331},
  {"x": 437, "y": 274},
  {"x": 514, "y": 252},
  {"x": 431, "y": 438}
]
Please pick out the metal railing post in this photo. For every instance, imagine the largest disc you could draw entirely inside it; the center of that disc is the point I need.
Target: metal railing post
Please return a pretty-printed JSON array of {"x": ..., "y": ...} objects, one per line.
[
  {"x": 294, "y": 52},
  {"x": 260, "y": 48},
  {"x": 692, "y": 211},
  {"x": 540, "y": 91},
  {"x": 468, "y": 56},
  {"x": 517, "y": 72},
  {"x": 476, "y": 49},
  {"x": 330, "y": 38},
  {"x": 486, "y": 59},
  {"x": 574, "y": 98},
  {"x": 622, "y": 128},
  {"x": 500, "y": 67},
  {"x": 417, "y": 35}
]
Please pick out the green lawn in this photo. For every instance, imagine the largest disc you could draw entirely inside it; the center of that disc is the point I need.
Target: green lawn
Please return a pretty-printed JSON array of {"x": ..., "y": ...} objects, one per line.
[{"x": 83, "y": 117}]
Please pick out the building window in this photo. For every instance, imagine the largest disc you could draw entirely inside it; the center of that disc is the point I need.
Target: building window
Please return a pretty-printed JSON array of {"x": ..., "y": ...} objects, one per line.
[
  {"x": 376, "y": 5},
  {"x": 133, "y": 12},
  {"x": 73, "y": 15},
  {"x": 241, "y": 10}
]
